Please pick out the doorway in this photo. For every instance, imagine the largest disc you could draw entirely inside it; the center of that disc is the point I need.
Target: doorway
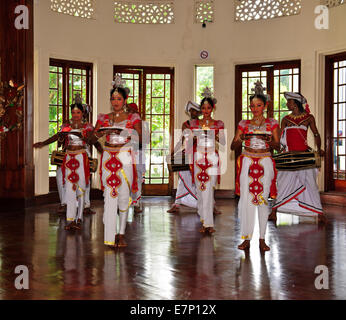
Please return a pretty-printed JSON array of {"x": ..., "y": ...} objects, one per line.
[{"x": 335, "y": 123}]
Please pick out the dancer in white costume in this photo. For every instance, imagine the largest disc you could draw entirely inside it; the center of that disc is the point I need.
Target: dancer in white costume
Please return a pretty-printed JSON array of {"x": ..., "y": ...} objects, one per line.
[
  {"x": 256, "y": 173},
  {"x": 118, "y": 171},
  {"x": 75, "y": 168},
  {"x": 186, "y": 191},
  {"x": 297, "y": 190},
  {"x": 206, "y": 167},
  {"x": 62, "y": 143}
]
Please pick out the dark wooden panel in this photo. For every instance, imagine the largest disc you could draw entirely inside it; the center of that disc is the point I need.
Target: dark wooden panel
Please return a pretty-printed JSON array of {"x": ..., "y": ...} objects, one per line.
[
  {"x": 330, "y": 184},
  {"x": 16, "y": 163},
  {"x": 328, "y": 124}
]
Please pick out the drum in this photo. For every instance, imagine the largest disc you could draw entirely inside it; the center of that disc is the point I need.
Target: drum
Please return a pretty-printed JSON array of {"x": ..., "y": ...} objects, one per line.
[
  {"x": 178, "y": 163},
  {"x": 57, "y": 159},
  {"x": 292, "y": 161},
  {"x": 93, "y": 164}
]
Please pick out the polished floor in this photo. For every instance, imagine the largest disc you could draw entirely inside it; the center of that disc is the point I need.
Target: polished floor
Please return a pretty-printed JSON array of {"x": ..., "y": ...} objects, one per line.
[{"x": 167, "y": 258}]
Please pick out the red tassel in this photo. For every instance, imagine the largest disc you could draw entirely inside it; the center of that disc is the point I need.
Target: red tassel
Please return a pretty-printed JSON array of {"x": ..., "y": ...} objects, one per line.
[{"x": 307, "y": 108}]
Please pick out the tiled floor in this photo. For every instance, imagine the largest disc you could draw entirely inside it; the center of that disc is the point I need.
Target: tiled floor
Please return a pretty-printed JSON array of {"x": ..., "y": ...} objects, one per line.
[{"x": 167, "y": 258}]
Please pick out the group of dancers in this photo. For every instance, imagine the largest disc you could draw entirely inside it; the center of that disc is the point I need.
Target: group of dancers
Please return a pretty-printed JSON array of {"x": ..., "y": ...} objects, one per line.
[
  {"x": 121, "y": 179},
  {"x": 257, "y": 180},
  {"x": 123, "y": 165}
]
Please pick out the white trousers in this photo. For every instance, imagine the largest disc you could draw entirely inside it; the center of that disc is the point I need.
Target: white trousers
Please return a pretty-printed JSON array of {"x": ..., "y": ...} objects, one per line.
[
  {"x": 140, "y": 166},
  {"x": 186, "y": 190},
  {"x": 120, "y": 200},
  {"x": 74, "y": 209},
  {"x": 60, "y": 184},
  {"x": 298, "y": 193},
  {"x": 205, "y": 183},
  {"x": 61, "y": 190},
  {"x": 246, "y": 208},
  {"x": 87, "y": 196}
]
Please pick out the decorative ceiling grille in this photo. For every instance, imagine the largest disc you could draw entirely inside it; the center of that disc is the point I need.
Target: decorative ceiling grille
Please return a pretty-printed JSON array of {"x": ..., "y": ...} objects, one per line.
[
  {"x": 204, "y": 11},
  {"x": 333, "y": 3},
  {"x": 76, "y": 8},
  {"x": 247, "y": 10},
  {"x": 153, "y": 12}
]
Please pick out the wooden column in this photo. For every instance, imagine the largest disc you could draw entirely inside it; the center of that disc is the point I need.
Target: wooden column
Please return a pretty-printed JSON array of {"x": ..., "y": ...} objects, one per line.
[{"x": 17, "y": 60}]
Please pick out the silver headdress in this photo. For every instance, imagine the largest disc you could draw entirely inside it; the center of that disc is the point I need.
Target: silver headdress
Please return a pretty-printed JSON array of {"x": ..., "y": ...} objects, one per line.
[
  {"x": 207, "y": 93},
  {"x": 118, "y": 82},
  {"x": 259, "y": 90},
  {"x": 78, "y": 100}
]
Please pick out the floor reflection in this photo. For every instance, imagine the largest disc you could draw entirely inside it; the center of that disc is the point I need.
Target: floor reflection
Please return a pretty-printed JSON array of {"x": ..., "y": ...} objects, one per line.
[{"x": 167, "y": 257}]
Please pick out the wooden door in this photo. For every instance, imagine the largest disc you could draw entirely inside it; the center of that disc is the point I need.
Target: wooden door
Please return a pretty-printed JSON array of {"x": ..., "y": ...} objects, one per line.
[{"x": 335, "y": 123}]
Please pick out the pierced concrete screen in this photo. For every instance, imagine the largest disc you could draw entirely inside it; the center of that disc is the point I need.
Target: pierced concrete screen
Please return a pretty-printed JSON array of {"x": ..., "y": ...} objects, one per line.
[
  {"x": 153, "y": 12},
  {"x": 333, "y": 3},
  {"x": 247, "y": 10},
  {"x": 76, "y": 8},
  {"x": 204, "y": 11}
]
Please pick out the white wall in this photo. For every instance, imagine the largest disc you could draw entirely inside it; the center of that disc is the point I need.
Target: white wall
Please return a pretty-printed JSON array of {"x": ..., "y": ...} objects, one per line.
[{"x": 105, "y": 43}]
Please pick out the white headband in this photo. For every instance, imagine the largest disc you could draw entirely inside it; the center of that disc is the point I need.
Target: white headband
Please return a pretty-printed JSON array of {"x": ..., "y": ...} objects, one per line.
[
  {"x": 295, "y": 96},
  {"x": 192, "y": 105}
]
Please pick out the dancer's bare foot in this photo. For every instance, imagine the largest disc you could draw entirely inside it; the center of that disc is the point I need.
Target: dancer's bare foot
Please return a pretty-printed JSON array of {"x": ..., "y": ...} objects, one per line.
[
  {"x": 71, "y": 226},
  {"x": 113, "y": 246},
  {"x": 263, "y": 246},
  {"x": 121, "y": 241},
  {"x": 210, "y": 230},
  {"x": 203, "y": 229},
  {"x": 272, "y": 216},
  {"x": 216, "y": 211},
  {"x": 78, "y": 224},
  {"x": 174, "y": 209},
  {"x": 245, "y": 245}
]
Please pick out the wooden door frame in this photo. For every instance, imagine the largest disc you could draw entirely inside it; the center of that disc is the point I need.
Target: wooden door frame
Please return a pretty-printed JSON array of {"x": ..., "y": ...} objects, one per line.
[{"x": 329, "y": 184}]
